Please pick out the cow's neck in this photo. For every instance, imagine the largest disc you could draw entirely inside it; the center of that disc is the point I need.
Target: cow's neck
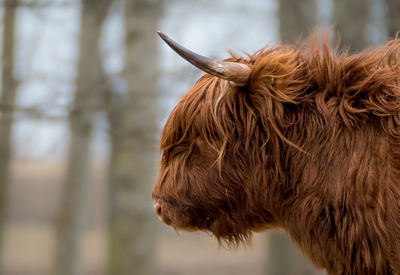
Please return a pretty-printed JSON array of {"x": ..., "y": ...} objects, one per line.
[{"x": 335, "y": 200}]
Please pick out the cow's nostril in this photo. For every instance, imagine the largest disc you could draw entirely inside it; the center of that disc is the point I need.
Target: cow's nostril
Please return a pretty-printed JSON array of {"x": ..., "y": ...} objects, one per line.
[{"x": 157, "y": 209}]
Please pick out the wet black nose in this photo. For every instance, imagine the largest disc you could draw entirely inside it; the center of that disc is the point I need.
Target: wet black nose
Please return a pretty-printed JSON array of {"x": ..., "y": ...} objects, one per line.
[{"x": 157, "y": 210}]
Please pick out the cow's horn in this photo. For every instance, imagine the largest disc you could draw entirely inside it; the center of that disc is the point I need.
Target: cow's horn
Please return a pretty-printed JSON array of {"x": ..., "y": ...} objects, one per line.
[{"x": 235, "y": 72}]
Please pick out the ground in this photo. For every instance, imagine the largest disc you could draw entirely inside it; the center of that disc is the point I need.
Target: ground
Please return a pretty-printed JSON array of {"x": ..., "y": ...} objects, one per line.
[{"x": 29, "y": 236}]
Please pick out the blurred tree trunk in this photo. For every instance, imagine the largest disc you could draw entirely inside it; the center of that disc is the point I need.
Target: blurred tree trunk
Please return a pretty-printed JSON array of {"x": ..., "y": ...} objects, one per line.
[
  {"x": 7, "y": 102},
  {"x": 297, "y": 19},
  {"x": 133, "y": 122},
  {"x": 74, "y": 197},
  {"x": 351, "y": 18},
  {"x": 393, "y": 17}
]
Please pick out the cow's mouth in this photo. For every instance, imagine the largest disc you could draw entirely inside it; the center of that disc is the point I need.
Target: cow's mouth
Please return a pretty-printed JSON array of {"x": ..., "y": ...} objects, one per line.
[
  {"x": 184, "y": 218},
  {"x": 177, "y": 216}
]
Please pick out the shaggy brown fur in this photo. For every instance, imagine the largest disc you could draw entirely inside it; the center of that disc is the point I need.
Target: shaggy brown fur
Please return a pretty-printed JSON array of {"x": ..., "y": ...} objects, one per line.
[{"x": 311, "y": 145}]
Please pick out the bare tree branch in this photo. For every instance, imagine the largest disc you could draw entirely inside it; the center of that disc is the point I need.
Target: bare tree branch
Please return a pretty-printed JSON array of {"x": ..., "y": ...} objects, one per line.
[{"x": 37, "y": 4}]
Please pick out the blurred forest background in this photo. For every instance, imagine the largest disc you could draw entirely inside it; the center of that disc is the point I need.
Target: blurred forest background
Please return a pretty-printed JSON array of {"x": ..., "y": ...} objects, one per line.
[{"x": 85, "y": 88}]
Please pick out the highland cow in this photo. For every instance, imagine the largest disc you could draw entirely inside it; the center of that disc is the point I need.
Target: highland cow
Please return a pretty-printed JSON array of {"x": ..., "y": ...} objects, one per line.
[{"x": 301, "y": 138}]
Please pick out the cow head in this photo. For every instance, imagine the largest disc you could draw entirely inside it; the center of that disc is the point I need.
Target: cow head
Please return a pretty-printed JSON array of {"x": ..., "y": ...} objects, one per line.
[{"x": 217, "y": 159}]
